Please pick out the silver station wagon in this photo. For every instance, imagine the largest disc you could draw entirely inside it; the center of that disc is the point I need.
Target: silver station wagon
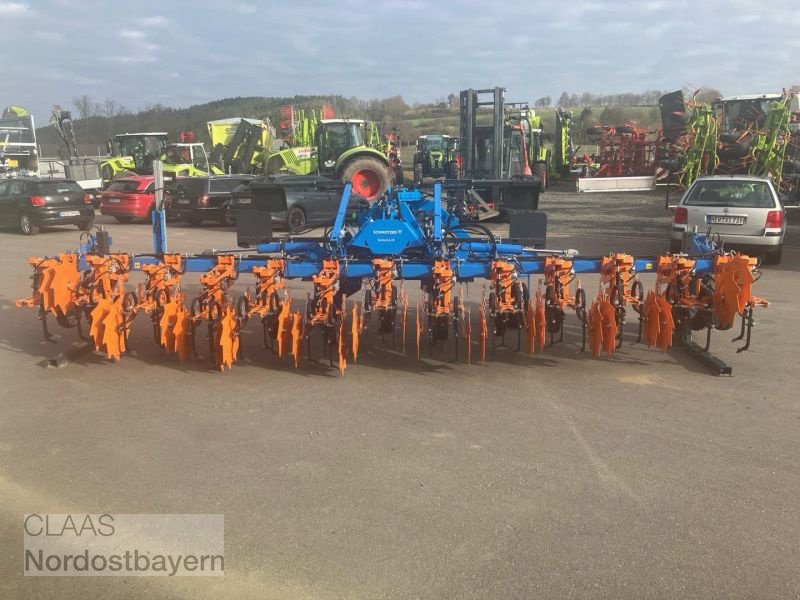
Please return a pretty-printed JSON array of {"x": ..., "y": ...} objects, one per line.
[{"x": 743, "y": 210}]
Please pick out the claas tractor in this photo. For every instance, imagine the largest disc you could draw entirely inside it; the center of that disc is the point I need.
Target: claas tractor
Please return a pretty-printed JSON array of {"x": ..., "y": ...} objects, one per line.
[
  {"x": 339, "y": 151},
  {"x": 132, "y": 153},
  {"x": 434, "y": 157},
  {"x": 187, "y": 160},
  {"x": 135, "y": 153}
]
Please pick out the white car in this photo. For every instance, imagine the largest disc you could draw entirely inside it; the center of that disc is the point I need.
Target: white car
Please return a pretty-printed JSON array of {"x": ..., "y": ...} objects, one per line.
[{"x": 744, "y": 210}]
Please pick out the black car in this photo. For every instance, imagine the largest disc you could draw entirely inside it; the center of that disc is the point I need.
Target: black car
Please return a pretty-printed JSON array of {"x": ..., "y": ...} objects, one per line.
[
  {"x": 198, "y": 199},
  {"x": 309, "y": 199},
  {"x": 31, "y": 203}
]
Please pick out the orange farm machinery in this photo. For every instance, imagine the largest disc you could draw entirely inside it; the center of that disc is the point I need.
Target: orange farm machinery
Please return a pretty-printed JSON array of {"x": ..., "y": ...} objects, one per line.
[{"x": 360, "y": 274}]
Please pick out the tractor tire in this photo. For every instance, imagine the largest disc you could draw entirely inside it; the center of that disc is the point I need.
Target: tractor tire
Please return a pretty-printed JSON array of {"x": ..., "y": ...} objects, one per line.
[
  {"x": 295, "y": 218},
  {"x": 417, "y": 172},
  {"x": 123, "y": 219},
  {"x": 540, "y": 170},
  {"x": 369, "y": 176}
]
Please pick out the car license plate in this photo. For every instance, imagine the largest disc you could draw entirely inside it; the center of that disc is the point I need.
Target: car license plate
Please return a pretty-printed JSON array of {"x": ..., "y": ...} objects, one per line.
[
  {"x": 725, "y": 220},
  {"x": 114, "y": 200},
  {"x": 69, "y": 213},
  {"x": 182, "y": 201},
  {"x": 243, "y": 201}
]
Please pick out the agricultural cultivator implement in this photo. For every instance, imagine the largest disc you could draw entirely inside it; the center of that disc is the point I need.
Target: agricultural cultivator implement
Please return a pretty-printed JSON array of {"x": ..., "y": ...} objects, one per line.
[
  {"x": 625, "y": 160},
  {"x": 360, "y": 273}
]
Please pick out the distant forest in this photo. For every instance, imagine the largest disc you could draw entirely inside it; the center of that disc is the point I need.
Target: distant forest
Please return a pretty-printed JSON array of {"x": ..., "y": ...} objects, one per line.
[{"x": 95, "y": 121}]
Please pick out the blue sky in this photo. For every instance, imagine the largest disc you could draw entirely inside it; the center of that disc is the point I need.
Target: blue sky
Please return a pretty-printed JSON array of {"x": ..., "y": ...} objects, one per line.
[{"x": 181, "y": 53}]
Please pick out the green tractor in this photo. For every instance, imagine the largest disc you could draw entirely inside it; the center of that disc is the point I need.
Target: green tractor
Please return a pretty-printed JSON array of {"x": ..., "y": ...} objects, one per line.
[
  {"x": 339, "y": 151},
  {"x": 132, "y": 153},
  {"x": 435, "y": 157},
  {"x": 187, "y": 160},
  {"x": 135, "y": 153}
]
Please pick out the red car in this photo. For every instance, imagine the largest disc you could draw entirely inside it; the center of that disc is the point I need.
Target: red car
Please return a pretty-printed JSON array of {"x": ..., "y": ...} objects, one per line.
[{"x": 129, "y": 198}]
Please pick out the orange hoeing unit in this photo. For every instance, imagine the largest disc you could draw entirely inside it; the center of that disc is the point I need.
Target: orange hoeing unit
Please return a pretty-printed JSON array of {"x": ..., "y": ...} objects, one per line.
[
  {"x": 384, "y": 276},
  {"x": 733, "y": 289},
  {"x": 443, "y": 283},
  {"x": 56, "y": 283},
  {"x": 326, "y": 286},
  {"x": 218, "y": 280},
  {"x": 558, "y": 273},
  {"x": 618, "y": 277},
  {"x": 108, "y": 274},
  {"x": 270, "y": 282},
  {"x": 503, "y": 275},
  {"x": 162, "y": 283},
  {"x": 676, "y": 275}
]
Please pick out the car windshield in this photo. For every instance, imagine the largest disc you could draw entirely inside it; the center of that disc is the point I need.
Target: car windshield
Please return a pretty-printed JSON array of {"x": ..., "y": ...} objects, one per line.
[
  {"x": 64, "y": 187},
  {"x": 132, "y": 145},
  {"x": 731, "y": 193},
  {"x": 124, "y": 186}
]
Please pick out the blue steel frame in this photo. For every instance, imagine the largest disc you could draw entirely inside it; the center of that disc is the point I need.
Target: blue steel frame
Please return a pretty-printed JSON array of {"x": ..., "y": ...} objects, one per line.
[{"x": 404, "y": 211}]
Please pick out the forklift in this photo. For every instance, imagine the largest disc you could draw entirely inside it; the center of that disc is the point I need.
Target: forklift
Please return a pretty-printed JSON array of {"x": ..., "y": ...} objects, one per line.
[{"x": 495, "y": 157}]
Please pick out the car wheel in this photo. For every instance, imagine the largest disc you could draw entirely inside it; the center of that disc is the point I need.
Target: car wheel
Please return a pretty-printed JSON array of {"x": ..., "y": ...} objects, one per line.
[
  {"x": 86, "y": 225},
  {"x": 774, "y": 257},
  {"x": 194, "y": 221},
  {"x": 26, "y": 225},
  {"x": 123, "y": 219},
  {"x": 296, "y": 218},
  {"x": 225, "y": 218}
]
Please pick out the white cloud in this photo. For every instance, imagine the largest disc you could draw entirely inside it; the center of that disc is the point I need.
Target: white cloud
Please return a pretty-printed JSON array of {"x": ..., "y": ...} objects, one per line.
[
  {"x": 12, "y": 9},
  {"x": 654, "y": 5},
  {"x": 130, "y": 59},
  {"x": 154, "y": 21},
  {"x": 243, "y": 8},
  {"x": 49, "y": 36},
  {"x": 132, "y": 34},
  {"x": 749, "y": 18}
]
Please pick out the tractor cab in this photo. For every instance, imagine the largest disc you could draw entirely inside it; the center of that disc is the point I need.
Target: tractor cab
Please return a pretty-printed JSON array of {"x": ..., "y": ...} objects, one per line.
[
  {"x": 187, "y": 160},
  {"x": 142, "y": 148},
  {"x": 739, "y": 113},
  {"x": 335, "y": 137},
  {"x": 433, "y": 156},
  {"x": 132, "y": 153}
]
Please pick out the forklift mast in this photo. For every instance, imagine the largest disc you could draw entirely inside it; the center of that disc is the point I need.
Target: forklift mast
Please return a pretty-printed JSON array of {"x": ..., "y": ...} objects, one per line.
[{"x": 471, "y": 100}]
